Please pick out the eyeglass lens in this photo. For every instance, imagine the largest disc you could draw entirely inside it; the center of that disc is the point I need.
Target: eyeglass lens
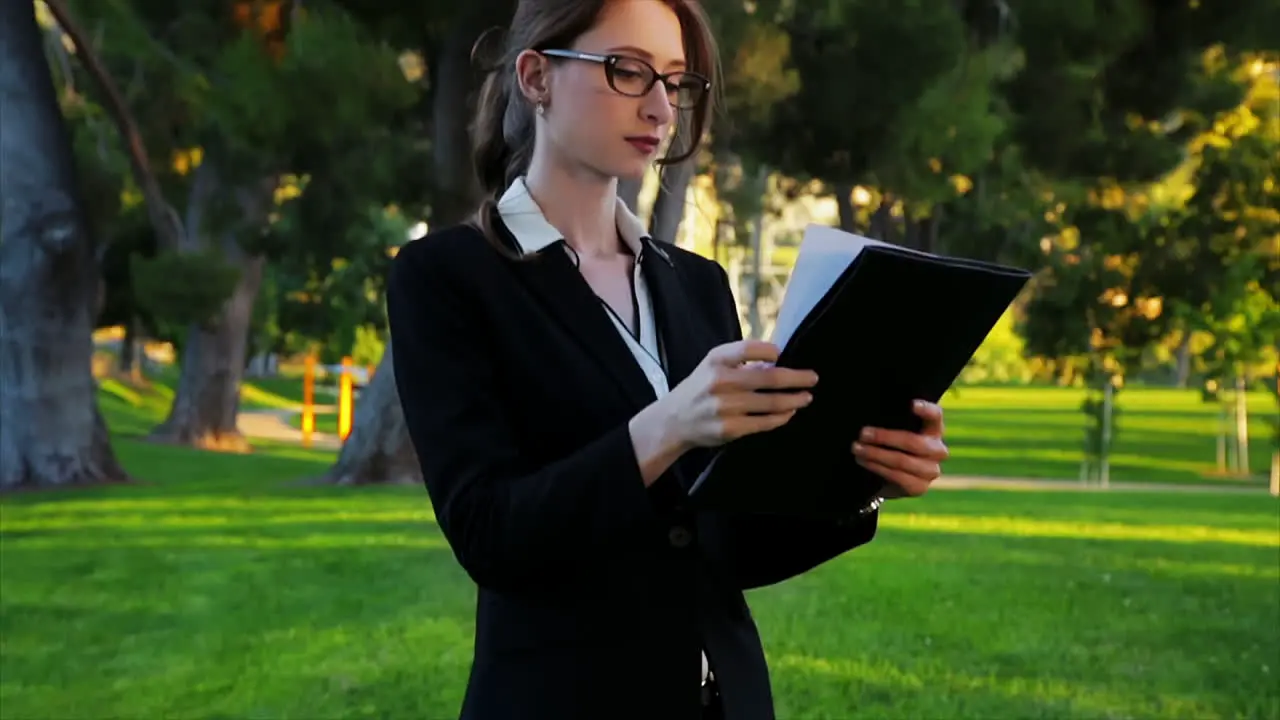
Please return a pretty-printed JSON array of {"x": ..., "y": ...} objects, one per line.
[{"x": 636, "y": 77}]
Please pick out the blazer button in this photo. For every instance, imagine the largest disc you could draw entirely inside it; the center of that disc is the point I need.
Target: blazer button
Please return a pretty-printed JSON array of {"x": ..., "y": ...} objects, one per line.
[{"x": 679, "y": 536}]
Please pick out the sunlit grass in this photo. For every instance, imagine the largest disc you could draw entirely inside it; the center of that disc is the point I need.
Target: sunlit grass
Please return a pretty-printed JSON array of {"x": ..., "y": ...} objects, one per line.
[
  {"x": 1161, "y": 435},
  {"x": 216, "y": 588}
]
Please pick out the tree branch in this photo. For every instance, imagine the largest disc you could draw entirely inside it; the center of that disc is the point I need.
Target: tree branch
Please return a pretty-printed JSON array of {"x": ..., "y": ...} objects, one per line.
[{"x": 164, "y": 220}]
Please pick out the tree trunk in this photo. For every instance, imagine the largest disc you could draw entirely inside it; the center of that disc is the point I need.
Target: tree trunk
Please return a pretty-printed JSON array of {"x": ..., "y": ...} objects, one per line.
[
  {"x": 629, "y": 192},
  {"x": 669, "y": 206},
  {"x": 882, "y": 220},
  {"x": 164, "y": 221},
  {"x": 1184, "y": 360},
  {"x": 378, "y": 449},
  {"x": 1242, "y": 424},
  {"x": 844, "y": 203},
  {"x": 456, "y": 187},
  {"x": 51, "y": 432},
  {"x": 207, "y": 400}
]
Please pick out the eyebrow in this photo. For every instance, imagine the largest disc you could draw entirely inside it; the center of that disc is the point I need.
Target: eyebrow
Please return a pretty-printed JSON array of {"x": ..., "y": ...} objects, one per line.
[{"x": 642, "y": 54}]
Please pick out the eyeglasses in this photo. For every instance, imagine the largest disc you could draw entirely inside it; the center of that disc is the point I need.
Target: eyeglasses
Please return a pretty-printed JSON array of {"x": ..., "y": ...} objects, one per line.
[{"x": 635, "y": 78}]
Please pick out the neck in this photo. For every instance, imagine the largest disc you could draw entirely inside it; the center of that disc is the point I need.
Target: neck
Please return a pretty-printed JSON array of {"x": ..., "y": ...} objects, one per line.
[{"x": 581, "y": 204}]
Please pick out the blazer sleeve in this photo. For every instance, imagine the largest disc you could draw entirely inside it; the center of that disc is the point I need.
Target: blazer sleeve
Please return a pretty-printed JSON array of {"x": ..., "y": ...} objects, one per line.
[
  {"x": 510, "y": 527},
  {"x": 768, "y": 549}
]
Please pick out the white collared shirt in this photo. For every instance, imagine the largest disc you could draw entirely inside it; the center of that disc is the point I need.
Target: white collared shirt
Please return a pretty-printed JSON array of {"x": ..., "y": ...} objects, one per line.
[{"x": 523, "y": 217}]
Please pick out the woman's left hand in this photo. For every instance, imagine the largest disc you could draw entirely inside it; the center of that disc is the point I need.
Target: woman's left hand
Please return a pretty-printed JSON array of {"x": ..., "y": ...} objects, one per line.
[{"x": 908, "y": 461}]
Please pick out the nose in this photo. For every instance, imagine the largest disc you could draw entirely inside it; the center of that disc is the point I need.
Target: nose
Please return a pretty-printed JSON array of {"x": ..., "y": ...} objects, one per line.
[{"x": 656, "y": 107}]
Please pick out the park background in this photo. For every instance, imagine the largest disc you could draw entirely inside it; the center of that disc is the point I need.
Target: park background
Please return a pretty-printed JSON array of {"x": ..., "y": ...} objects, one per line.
[{"x": 200, "y": 200}]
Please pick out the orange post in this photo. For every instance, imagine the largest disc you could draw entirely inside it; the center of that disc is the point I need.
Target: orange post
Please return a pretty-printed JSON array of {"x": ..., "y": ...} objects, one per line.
[
  {"x": 308, "y": 400},
  {"x": 344, "y": 399}
]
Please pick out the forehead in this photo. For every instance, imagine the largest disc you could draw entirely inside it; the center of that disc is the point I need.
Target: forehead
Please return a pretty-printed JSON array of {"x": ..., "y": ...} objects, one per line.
[{"x": 647, "y": 25}]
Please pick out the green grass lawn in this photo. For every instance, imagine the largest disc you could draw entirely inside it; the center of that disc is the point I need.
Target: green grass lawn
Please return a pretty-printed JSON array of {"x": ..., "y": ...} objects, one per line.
[
  {"x": 1162, "y": 435},
  {"x": 215, "y": 589}
]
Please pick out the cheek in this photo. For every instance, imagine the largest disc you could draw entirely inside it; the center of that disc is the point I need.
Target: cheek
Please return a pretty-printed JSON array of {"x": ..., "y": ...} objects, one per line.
[{"x": 593, "y": 121}]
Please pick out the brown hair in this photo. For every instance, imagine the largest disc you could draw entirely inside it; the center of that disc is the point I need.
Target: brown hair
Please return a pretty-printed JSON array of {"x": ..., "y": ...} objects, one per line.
[{"x": 503, "y": 129}]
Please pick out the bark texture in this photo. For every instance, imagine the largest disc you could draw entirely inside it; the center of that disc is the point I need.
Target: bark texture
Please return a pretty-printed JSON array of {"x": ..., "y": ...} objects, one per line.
[
  {"x": 207, "y": 400},
  {"x": 669, "y": 205},
  {"x": 378, "y": 449},
  {"x": 51, "y": 432}
]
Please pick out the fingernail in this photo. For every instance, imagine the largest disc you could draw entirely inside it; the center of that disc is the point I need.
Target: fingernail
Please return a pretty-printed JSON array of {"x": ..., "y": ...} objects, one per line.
[
  {"x": 919, "y": 404},
  {"x": 857, "y": 447},
  {"x": 808, "y": 398},
  {"x": 868, "y": 434}
]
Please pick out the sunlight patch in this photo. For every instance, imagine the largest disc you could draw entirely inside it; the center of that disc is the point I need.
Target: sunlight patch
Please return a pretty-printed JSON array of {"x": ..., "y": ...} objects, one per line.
[{"x": 1028, "y": 527}]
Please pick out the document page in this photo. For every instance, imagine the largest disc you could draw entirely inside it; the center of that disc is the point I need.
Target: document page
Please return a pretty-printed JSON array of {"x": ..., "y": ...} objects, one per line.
[{"x": 825, "y": 252}]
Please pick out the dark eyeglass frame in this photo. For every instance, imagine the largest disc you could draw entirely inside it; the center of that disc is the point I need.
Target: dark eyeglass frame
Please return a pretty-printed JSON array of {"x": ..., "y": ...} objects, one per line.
[{"x": 610, "y": 63}]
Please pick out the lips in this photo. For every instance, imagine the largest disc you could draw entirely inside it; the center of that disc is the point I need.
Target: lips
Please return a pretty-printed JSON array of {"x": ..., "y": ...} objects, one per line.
[{"x": 644, "y": 144}]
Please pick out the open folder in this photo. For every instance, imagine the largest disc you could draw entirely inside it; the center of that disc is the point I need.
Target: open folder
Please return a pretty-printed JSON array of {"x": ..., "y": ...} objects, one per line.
[{"x": 882, "y": 326}]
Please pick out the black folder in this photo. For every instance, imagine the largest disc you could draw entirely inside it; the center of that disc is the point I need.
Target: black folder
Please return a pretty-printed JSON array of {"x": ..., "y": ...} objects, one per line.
[{"x": 896, "y": 325}]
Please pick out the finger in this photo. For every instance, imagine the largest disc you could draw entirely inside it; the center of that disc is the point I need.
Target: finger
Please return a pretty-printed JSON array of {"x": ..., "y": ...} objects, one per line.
[
  {"x": 931, "y": 413},
  {"x": 741, "y": 403},
  {"x": 735, "y": 353},
  {"x": 907, "y": 485},
  {"x": 923, "y": 468},
  {"x": 743, "y": 425},
  {"x": 925, "y": 446},
  {"x": 769, "y": 378}
]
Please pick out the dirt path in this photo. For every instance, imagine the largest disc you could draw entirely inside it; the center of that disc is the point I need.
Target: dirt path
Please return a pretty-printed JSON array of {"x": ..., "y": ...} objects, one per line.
[{"x": 273, "y": 424}]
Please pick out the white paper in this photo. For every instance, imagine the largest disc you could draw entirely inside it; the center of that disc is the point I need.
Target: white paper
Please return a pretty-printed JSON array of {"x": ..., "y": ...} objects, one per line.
[{"x": 825, "y": 252}]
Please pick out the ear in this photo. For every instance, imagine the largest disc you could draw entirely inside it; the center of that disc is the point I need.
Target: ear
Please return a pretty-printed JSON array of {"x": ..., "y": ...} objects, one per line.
[{"x": 533, "y": 76}]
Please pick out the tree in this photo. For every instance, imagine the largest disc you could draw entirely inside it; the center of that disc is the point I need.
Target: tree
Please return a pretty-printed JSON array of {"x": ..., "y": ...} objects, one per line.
[
  {"x": 914, "y": 106},
  {"x": 259, "y": 100},
  {"x": 51, "y": 431},
  {"x": 378, "y": 449}
]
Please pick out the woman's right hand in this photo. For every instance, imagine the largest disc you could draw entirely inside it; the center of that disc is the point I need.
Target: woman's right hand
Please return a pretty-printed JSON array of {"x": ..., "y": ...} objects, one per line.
[{"x": 720, "y": 400}]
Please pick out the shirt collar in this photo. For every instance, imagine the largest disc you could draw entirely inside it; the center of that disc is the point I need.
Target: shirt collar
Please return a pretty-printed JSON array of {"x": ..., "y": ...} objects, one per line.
[{"x": 522, "y": 216}]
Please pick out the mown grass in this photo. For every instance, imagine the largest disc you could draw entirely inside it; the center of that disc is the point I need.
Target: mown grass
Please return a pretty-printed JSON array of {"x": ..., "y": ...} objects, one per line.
[
  {"x": 1162, "y": 435},
  {"x": 217, "y": 588}
]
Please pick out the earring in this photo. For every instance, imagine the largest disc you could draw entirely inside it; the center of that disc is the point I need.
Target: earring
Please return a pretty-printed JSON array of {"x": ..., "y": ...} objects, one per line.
[{"x": 542, "y": 107}]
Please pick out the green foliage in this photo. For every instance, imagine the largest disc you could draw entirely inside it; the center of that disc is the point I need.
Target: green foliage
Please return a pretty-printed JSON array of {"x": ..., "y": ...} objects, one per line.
[
  {"x": 317, "y": 301},
  {"x": 368, "y": 346},
  {"x": 864, "y": 68},
  {"x": 1106, "y": 86},
  {"x": 330, "y": 86},
  {"x": 183, "y": 288},
  {"x": 1000, "y": 359},
  {"x": 952, "y": 128}
]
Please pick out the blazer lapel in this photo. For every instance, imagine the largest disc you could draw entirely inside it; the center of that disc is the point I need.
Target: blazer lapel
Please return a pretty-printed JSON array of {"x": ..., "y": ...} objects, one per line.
[
  {"x": 673, "y": 312},
  {"x": 551, "y": 276}
]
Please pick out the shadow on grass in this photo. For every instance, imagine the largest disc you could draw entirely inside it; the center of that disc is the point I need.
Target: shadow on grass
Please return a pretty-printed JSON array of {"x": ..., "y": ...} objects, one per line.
[{"x": 226, "y": 607}]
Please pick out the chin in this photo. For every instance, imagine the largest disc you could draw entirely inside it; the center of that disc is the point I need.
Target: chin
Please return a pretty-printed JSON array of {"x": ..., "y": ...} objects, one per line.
[{"x": 633, "y": 170}]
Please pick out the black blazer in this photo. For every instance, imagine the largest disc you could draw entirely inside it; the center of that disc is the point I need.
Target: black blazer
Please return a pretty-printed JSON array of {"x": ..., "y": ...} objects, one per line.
[{"x": 595, "y": 593}]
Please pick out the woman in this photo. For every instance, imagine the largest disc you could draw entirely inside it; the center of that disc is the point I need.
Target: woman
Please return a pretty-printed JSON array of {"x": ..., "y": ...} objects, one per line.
[{"x": 564, "y": 377}]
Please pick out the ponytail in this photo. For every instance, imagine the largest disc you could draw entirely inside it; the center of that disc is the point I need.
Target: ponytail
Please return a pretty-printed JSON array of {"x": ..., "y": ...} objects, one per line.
[{"x": 502, "y": 143}]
